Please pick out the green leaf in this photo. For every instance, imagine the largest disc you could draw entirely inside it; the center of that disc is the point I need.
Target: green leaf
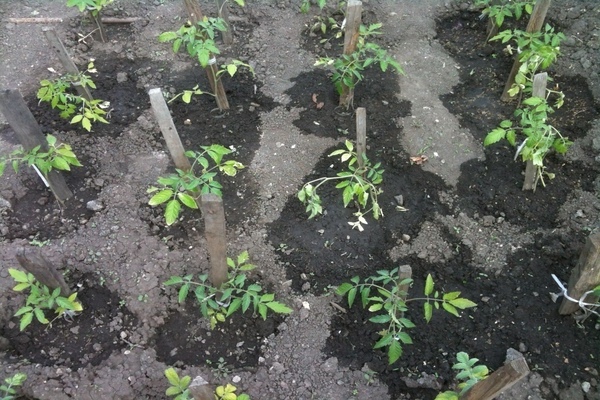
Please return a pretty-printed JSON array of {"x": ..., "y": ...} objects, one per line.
[
  {"x": 351, "y": 296},
  {"x": 428, "y": 285},
  {"x": 161, "y": 197},
  {"x": 172, "y": 211},
  {"x": 167, "y": 36},
  {"x": 183, "y": 292},
  {"x": 463, "y": 303},
  {"x": 405, "y": 338},
  {"x": 173, "y": 280},
  {"x": 87, "y": 125},
  {"x": 384, "y": 341},
  {"x": 494, "y": 136},
  {"x": 394, "y": 352},
  {"x": 25, "y": 321},
  {"x": 279, "y": 308},
  {"x": 39, "y": 314},
  {"x": 17, "y": 275},
  {"x": 381, "y": 319},
  {"x": 343, "y": 288},
  {"x": 451, "y": 309},
  {"x": 172, "y": 376},
  {"x": 234, "y": 306},
  {"x": 187, "y": 200},
  {"x": 428, "y": 311},
  {"x": 60, "y": 164}
]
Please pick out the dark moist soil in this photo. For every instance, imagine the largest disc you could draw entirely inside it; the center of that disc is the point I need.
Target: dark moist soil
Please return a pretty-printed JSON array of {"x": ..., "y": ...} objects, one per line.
[
  {"x": 88, "y": 338},
  {"x": 325, "y": 251},
  {"x": 186, "y": 339}
]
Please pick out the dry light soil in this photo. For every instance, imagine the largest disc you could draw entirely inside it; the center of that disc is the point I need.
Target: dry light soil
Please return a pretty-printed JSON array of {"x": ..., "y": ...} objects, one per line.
[{"x": 460, "y": 216}]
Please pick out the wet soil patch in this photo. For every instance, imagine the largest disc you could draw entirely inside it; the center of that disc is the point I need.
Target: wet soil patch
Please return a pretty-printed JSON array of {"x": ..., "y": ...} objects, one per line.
[
  {"x": 187, "y": 339},
  {"x": 89, "y": 338},
  {"x": 117, "y": 82},
  {"x": 514, "y": 310},
  {"x": 493, "y": 187},
  {"x": 377, "y": 93},
  {"x": 200, "y": 123}
]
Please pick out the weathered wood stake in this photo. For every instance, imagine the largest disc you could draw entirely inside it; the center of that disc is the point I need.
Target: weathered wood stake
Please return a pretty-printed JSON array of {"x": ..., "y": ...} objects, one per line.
[
  {"x": 499, "y": 381},
  {"x": 224, "y": 15},
  {"x": 351, "y": 32},
  {"x": 35, "y": 263},
  {"x": 216, "y": 239},
  {"x": 57, "y": 46},
  {"x": 361, "y": 136},
  {"x": 404, "y": 272},
  {"x": 531, "y": 171},
  {"x": 536, "y": 21},
  {"x": 193, "y": 9},
  {"x": 200, "y": 389},
  {"x": 584, "y": 277},
  {"x": 167, "y": 127},
  {"x": 30, "y": 135}
]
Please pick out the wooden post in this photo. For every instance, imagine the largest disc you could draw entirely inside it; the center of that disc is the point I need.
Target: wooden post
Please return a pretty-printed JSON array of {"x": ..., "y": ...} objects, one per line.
[
  {"x": 65, "y": 60},
  {"x": 351, "y": 33},
  {"x": 536, "y": 21},
  {"x": 224, "y": 15},
  {"x": 99, "y": 33},
  {"x": 43, "y": 270},
  {"x": 404, "y": 272},
  {"x": 167, "y": 127},
  {"x": 531, "y": 171},
  {"x": 201, "y": 390},
  {"x": 30, "y": 135},
  {"x": 502, "y": 379},
  {"x": 361, "y": 136},
  {"x": 584, "y": 277},
  {"x": 214, "y": 229},
  {"x": 193, "y": 9}
]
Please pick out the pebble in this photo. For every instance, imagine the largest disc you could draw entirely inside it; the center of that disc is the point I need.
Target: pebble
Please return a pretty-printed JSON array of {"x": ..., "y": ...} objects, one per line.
[
  {"x": 94, "y": 205},
  {"x": 405, "y": 237}
]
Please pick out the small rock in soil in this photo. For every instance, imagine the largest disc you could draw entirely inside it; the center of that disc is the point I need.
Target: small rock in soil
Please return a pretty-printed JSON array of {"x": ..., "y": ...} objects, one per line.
[
  {"x": 94, "y": 205},
  {"x": 121, "y": 77},
  {"x": 4, "y": 203},
  {"x": 488, "y": 220}
]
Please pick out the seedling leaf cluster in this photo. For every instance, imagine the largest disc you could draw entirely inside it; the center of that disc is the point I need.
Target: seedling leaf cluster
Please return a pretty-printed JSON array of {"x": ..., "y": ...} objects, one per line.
[
  {"x": 237, "y": 293},
  {"x": 382, "y": 295}
]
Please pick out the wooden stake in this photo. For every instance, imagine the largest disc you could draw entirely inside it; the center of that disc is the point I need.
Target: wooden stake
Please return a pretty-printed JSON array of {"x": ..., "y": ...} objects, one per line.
[
  {"x": 584, "y": 277},
  {"x": 361, "y": 136},
  {"x": 35, "y": 263},
  {"x": 404, "y": 272},
  {"x": 35, "y": 20},
  {"x": 193, "y": 9},
  {"x": 531, "y": 171},
  {"x": 201, "y": 390},
  {"x": 167, "y": 127},
  {"x": 57, "y": 46},
  {"x": 351, "y": 33},
  {"x": 502, "y": 379},
  {"x": 214, "y": 220},
  {"x": 30, "y": 135},
  {"x": 536, "y": 21},
  {"x": 224, "y": 15}
]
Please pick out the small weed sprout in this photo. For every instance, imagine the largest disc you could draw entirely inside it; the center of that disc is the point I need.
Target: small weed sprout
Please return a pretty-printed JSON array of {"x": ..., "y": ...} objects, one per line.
[
  {"x": 382, "y": 294},
  {"x": 58, "y": 156},
  {"x": 469, "y": 374},
  {"x": 360, "y": 185},
  {"x": 181, "y": 188},
  {"x": 217, "y": 304},
  {"x": 7, "y": 389},
  {"x": 92, "y": 6},
  {"x": 179, "y": 386},
  {"x": 72, "y": 106},
  {"x": 41, "y": 298}
]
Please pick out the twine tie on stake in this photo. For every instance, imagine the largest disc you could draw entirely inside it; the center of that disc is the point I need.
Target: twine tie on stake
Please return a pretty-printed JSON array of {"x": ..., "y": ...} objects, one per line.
[{"x": 582, "y": 304}]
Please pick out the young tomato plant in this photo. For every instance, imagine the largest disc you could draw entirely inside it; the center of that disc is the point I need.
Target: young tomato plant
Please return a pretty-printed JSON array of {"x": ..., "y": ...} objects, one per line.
[
  {"x": 57, "y": 92},
  {"x": 182, "y": 187},
  {"x": 469, "y": 374},
  {"x": 497, "y": 11},
  {"x": 235, "y": 294},
  {"x": 41, "y": 298},
  {"x": 7, "y": 389},
  {"x": 382, "y": 294},
  {"x": 227, "y": 392},
  {"x": 92, "y": 6},
  {"x": 358, "y": 184},
  {"x": 58, "y": 156},
  {"x": 540, "y": 137},
  {"x": 536, "y": 51},
  {"x": 349, "y": 68}
]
